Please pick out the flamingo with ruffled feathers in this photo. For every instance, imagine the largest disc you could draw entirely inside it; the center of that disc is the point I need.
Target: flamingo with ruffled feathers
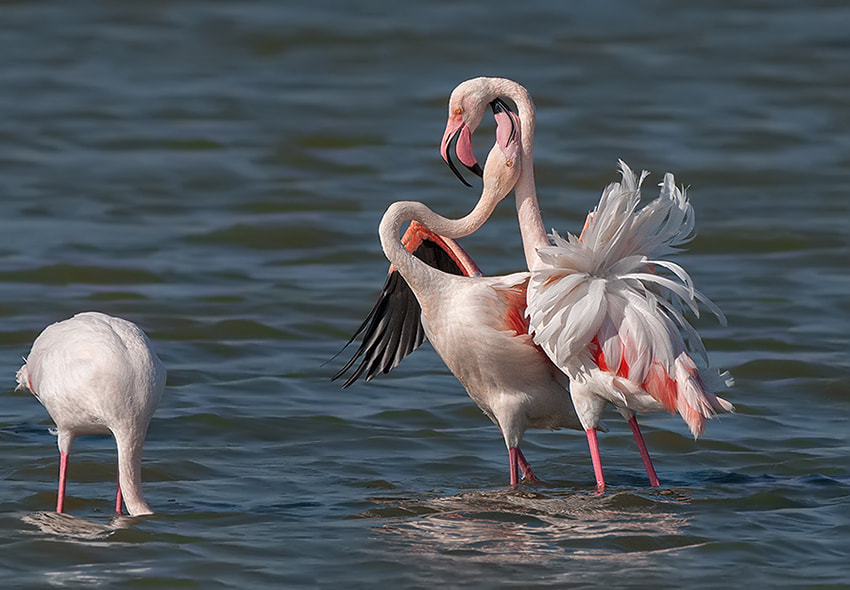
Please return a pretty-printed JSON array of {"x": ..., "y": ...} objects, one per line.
[
  {"x": 475, "y": 323},
  {"x": 605, "y": 306}
]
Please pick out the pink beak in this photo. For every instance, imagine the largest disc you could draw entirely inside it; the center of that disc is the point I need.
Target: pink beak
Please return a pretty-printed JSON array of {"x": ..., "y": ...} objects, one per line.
[{"x": 458, "y": 133}]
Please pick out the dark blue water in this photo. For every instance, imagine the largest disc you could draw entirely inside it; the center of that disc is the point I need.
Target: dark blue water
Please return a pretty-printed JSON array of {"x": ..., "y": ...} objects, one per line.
[{"x": 215, "y": 172}]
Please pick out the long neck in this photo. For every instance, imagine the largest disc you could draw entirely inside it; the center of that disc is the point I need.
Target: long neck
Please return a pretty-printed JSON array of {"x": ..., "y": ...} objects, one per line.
[
  {"x": 130, "y": 472},
  {"x": 418, "y": 274},
  {"x": 528, "y": 210}
]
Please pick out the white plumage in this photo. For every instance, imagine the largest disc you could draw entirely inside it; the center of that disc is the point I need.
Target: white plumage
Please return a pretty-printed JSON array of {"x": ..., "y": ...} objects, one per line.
[
  {"x": 606, "y": 307},
  {"x": 97, "y": 374},
  {"x": 604, "y": 313},
  {"x": 475, "y": 323}
]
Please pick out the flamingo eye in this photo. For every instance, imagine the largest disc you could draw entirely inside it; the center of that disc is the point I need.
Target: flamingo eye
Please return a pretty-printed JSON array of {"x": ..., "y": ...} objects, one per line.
[
  {"x": 458, "y": 111},
  {"x": 509, "y": 163}
]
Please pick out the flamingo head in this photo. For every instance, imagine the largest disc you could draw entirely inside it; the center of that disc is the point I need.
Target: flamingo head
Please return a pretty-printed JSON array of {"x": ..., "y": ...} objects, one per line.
[{"x": 467, "y": 105}]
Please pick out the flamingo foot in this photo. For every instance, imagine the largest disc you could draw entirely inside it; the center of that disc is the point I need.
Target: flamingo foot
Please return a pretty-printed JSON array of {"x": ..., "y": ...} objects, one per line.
[
  {"x": 524, "y": 466},
  {"x": 644, "y": 453},
  {"x": 595, "y": 459},
  {"x": 60, "y": 496}
]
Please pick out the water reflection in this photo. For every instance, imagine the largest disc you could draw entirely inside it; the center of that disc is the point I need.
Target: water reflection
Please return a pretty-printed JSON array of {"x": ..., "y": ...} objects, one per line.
[
  {"x": 502, "y": 525},
  {"x": 74, "y": 528}
]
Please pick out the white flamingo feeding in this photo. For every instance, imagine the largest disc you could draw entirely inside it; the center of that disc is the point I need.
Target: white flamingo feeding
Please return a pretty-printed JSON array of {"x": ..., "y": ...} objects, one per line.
[
  {"x": 97, "y": 374},
  {"x": 597, "y": 304},
  {"x": 475, "y": 323}
]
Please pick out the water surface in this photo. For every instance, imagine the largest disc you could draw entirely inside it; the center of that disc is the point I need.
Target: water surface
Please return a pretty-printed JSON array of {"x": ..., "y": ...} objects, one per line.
[{"x": 215, "y": 172}]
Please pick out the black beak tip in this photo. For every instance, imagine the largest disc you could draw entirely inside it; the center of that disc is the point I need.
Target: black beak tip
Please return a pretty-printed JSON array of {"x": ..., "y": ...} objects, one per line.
[
  {"x": 500, "y": 106},
  {"x": 457, "y": 173},
  {"x": 453, "y": 141}
]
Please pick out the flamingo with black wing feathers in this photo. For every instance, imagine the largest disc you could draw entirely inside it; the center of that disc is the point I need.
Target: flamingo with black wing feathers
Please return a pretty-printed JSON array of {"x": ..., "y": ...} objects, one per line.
[{"x": 475, "y": 323}]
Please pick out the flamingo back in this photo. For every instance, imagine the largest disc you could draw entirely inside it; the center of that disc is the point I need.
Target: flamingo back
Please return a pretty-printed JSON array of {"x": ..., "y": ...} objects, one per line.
[{"x": 94, "y": 373}]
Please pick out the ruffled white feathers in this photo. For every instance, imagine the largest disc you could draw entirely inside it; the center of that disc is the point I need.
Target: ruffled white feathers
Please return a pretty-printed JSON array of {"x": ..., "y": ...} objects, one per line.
[{"x": 605, "y": 304}]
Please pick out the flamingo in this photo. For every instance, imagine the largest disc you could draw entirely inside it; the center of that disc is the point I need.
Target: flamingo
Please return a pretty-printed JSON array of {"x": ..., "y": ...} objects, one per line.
[
  {"x": 97, "y": 374},
  {"x": 475, "y": 323},
  {"x": 597, "y": 304}
]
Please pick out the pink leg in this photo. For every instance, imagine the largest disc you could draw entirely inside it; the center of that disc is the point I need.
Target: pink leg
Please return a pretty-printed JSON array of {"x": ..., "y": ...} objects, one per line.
[
  {"x": 644, "y": 454},
  {"x": 118, "y": 499},
  {"x": 513, "y": 461},
  {"x": 594, "y": 457},
  {"x": 63, "y": 468},
  {"x": 527, "y": 472}
]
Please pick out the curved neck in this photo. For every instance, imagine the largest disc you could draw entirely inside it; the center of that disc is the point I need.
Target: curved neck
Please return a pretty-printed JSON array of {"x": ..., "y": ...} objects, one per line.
[
  {"x": 418, "y": 274},
  {"x": 528, "y": 210},
  {"x": 130, "y": 473}
]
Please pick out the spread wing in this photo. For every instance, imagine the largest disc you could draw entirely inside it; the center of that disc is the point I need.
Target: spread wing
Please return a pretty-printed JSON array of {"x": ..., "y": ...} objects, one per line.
[{"x": 393, "y": 329}]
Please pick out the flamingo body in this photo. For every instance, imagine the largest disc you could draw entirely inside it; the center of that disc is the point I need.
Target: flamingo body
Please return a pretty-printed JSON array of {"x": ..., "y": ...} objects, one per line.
[
  {"x": 604, "y": 313},
  {"x": 97, "y": 374},
  {"x": 477, "y": 328},
  {"x": 606, "y": 307},
  {"x": 476, "y": 324}
]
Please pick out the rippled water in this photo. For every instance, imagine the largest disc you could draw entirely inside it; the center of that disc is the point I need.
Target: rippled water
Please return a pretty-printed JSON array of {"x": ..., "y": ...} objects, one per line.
[{"x": 215, "y": 172}]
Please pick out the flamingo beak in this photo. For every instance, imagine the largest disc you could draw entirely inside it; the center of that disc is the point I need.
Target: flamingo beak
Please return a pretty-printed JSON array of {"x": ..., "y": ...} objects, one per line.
[
  {"x": 507, "y": 129},
  {"x": 458, "y": 135}
]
